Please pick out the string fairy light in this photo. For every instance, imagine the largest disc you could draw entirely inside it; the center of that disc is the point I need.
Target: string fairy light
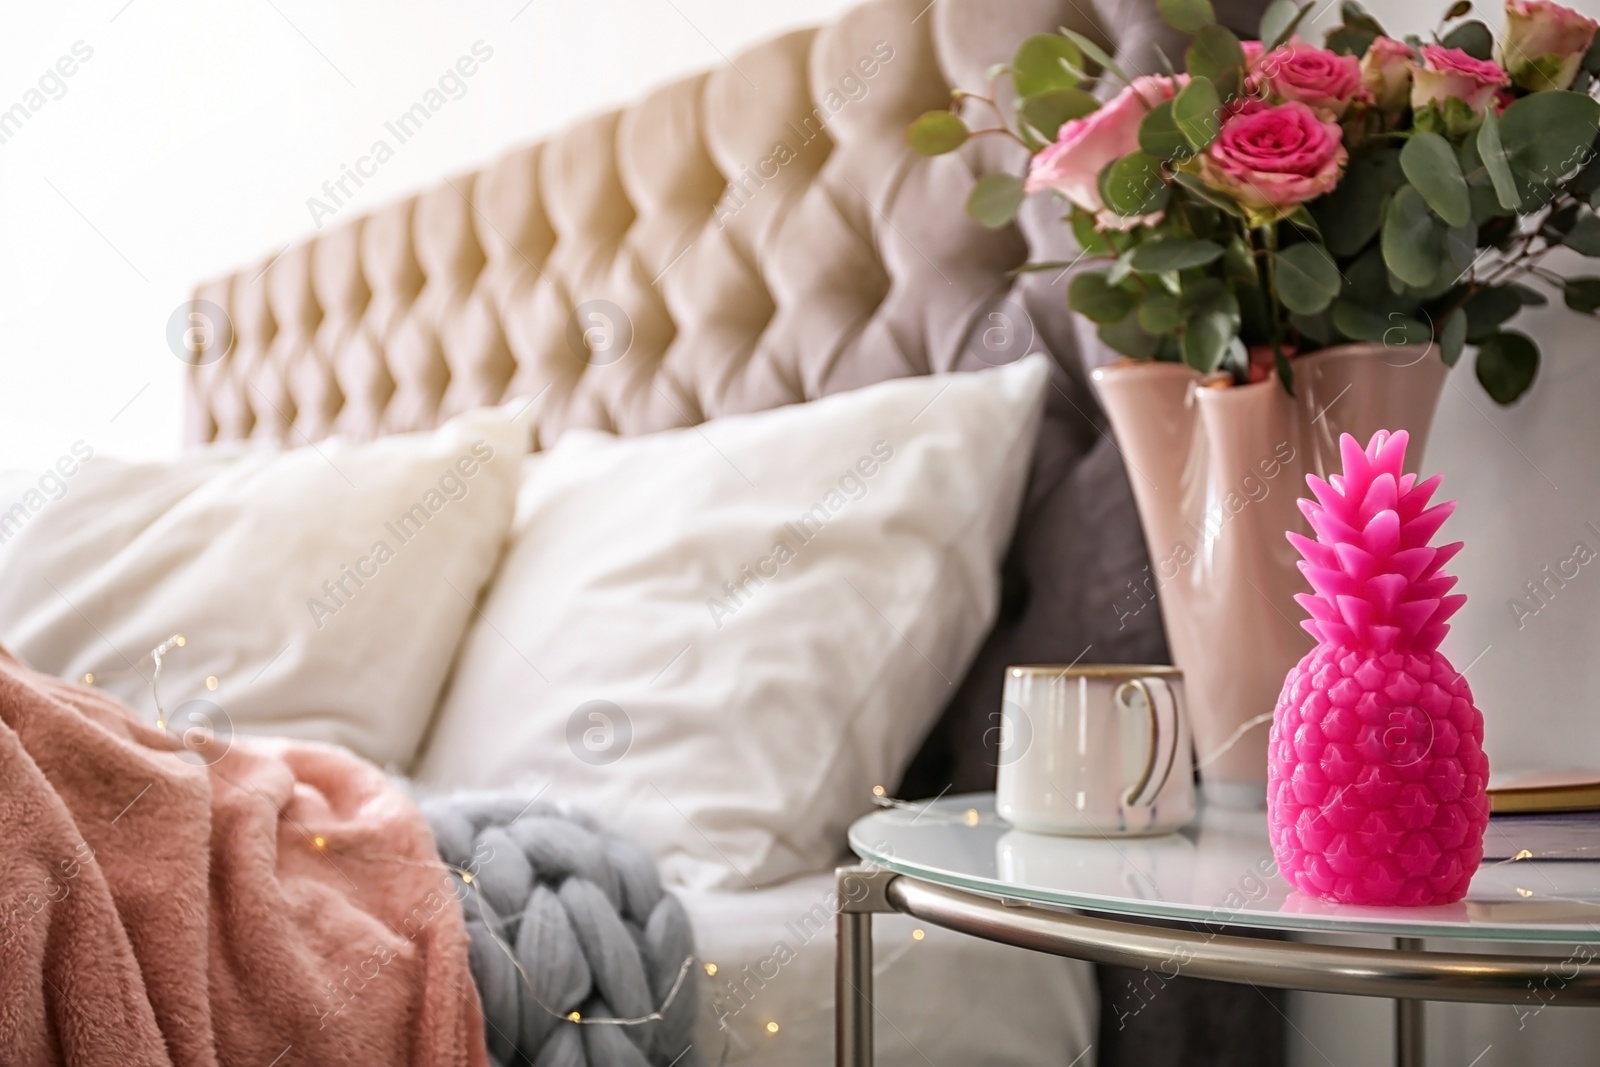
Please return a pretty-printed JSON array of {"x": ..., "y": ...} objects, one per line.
[
  {"x": 926, "y": 810},
  {"x": 156, "y": 656},
  {"x": 467, "y": 878}
]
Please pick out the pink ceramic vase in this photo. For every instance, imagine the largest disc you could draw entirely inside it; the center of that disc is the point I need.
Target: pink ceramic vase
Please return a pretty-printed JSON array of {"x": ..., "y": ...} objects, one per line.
[
  {"x": 1377, "y": 781},
  {"x": 1216, "y": 473}
]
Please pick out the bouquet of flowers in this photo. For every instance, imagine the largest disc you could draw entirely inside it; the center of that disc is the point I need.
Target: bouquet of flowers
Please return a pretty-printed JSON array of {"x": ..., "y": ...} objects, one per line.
[{"x": 1278, "y": 197}]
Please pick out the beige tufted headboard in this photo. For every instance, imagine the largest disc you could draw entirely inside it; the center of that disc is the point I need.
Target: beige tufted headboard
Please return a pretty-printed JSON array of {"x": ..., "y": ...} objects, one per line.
[
  {"x": 745, "y": 238},
  {"x": 763, "y": 229}
]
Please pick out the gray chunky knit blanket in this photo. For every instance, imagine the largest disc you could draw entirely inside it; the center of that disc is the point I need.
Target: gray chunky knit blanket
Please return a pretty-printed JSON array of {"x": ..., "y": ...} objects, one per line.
[{"x": 567, "y": 918}]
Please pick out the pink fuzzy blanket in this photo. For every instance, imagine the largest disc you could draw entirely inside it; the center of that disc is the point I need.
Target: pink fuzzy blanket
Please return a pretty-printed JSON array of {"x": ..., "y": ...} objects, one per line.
[{"x": 282, "y": 905}]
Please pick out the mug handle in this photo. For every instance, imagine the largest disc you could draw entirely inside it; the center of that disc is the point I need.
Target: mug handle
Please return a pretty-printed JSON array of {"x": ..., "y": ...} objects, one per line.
[{"x": 1131, "y": 798}]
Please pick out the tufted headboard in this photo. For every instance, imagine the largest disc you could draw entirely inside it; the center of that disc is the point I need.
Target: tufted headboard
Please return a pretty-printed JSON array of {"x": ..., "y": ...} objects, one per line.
[{"x": 744, "y": 238}]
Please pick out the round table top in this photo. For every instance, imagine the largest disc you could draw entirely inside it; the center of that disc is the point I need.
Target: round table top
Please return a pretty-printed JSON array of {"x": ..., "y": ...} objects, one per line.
[{"x": 1218, "y": 870}]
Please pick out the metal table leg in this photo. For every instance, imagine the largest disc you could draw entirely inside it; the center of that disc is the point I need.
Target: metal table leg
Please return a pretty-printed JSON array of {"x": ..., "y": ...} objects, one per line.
[
  {"x": 860, "y": 894},
  {"x": 852, "y": 997},
  {"x": 1409, "y": 1042}
]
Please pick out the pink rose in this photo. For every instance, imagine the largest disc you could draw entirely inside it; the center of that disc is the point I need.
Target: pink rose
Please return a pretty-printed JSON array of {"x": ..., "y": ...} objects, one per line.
[
  {"x": 1272, "y": 157},
  {"x": 1386, "y": 73},
  {"x": 1314, "y": 76},
  {"x": 1450, "y": 72},
  {"x": 1085, "y": 146},
  {"x": 1252, "y": 53},
  {"x": 1545, "y": 43}
]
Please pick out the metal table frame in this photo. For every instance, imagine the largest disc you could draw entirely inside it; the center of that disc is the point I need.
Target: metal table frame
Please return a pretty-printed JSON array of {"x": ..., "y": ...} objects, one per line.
[{"x": 1406, "y": 973}]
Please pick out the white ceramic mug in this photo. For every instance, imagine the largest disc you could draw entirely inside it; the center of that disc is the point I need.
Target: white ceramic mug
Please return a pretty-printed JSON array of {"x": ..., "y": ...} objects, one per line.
[{"x": 1094, "y": 751}]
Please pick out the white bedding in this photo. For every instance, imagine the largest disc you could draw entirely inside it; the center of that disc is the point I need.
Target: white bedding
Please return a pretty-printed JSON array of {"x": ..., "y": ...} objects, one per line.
[{"x": 944, "y": 999}]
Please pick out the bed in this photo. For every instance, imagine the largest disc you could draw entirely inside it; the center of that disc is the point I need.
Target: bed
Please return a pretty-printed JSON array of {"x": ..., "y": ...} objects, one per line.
[{"x": 750, "y": 237}]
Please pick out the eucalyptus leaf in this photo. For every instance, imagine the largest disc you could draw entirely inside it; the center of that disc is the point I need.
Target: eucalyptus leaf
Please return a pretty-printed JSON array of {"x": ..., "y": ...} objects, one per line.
[
  {"x": 1431, "y": 166},
  {"x": 1206, "y": 339},
  {"x": 1206, "y": 294},
  {"x": 1216, "y": 53},
  {"x": 1584, "y": 237},
  {"x": 1159, "y": 313},
  {"x": 1360, "y": 323},
  {"x": 1159, "y": 134},
  {"x": 1546, "y": 136},
  {"x": 1307, "y": 278},
  {"x": 1046, "y": 61},
  {"x": 936, "y": 132},
  {"x": 1413, "y": 239},
  {"x": 1134, "y": 185},
  {"x": 1197, "y": 110},
  {"x": 1091, "y": 296},
  {"x": 1458, "y": 9},
  {"x": 1047, "y": 110},
  {"x": 1452, "y": 337},
  {"x": 1506, "y": 365},
  {"x": 1199, "y": 191},
  {"x": 1096, "y": 53},
  {"x": 1179, "y": 254},
  {"x": 1352, "y": 213},
  {"x": 1350, "y": 40},
  {"x": 1280, "y": 363},
  {"x": 1279, "y": 21},
  {"x": 1491, "y": 150},
  {"x": 1530, "y": 298},
  {"x": 1089, "y": 237},
  {"x": 1582, "y": 293},
  {"x": 1131, "y": 339},
  {"x": 1187, "y": 16},
  {"x": 1238, "y": 264},
  {"x": 1487, "y": 309},
  {"x": 1356, "y": 15},
  {"x": 1118, "y": 272},
  {"x": 994, "y": 200},
  {"x": 1473, "y": 38}
]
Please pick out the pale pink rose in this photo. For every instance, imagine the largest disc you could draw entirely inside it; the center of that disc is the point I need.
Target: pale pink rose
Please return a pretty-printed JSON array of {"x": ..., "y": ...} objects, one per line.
[
  {"x": 1450, "y": 72},
  {"x": 1252, "y": 53},
  {"x": 1314, "y": 76},
  {"x": 1084, "y": 147},
  {"x": 1545, "y": 43},
  {"x": 1270, "y": 157},
  {"x": 1386, "y": 73}
]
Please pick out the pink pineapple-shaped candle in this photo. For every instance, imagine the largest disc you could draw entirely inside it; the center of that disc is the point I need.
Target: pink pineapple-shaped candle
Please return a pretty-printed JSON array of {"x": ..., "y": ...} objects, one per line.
[{"x": 1377, "y": 776}]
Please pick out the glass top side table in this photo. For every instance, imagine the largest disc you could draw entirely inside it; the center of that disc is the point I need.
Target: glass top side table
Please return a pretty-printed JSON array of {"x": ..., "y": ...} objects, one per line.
[{"x": 955, "y": 864}]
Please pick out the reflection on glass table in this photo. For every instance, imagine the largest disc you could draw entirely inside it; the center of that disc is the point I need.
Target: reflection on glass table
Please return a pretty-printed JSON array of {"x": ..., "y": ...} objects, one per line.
[{"x": 1220, "y": 869}]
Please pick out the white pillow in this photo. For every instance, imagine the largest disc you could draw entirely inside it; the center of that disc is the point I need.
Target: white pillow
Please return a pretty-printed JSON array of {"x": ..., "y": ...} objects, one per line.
[
  {"x": 324, "y": 588},
  {"x": 720, "y": 638}
]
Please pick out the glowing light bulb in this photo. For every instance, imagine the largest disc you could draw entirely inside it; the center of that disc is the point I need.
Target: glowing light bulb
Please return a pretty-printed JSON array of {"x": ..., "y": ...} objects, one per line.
[
  {"x": 772, "y": 1028},
  {"x": 211, "y": 682},
  {"x": 88, "y": 679},
  {"x": 573, "y": 1017},
  {"x": 466, "y": 876},
  {"x": 917, "y": 934},
  {"x": 878, "y": 791},
  {"x": 319, "y": 841},
  {"x": 182, "y": 640},
  {"x": 971, "y": 817},
  {"x": 711, "y": 968}
]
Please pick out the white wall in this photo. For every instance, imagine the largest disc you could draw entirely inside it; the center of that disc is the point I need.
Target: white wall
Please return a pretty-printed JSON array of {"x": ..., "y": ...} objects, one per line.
[{"x": 190, "y": 140}]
